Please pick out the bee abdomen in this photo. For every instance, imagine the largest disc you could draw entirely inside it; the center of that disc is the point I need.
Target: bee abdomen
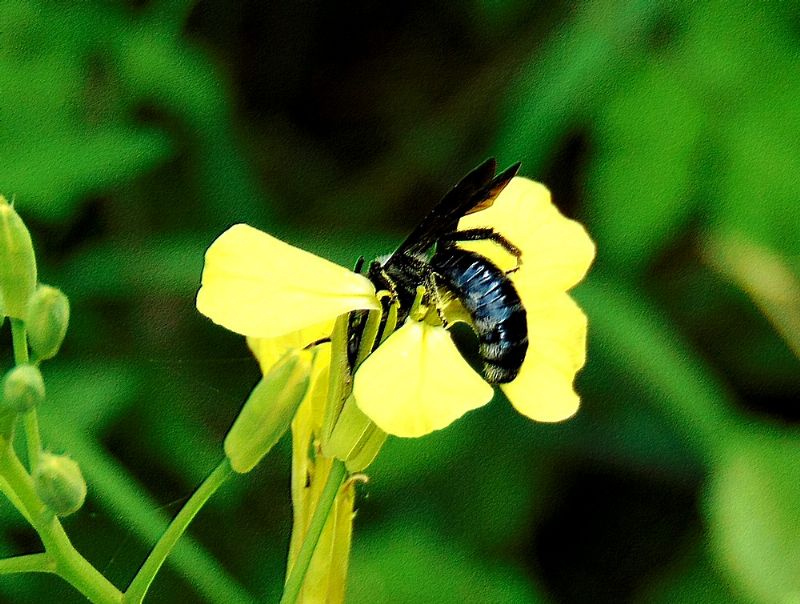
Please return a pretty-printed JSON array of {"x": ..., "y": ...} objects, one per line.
[{"x": 493, "y": 303}]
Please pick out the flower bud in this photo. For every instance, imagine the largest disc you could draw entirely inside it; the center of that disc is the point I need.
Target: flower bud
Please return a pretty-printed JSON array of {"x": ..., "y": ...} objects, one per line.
[
  {"x": 269, "y": 410},
  {"x": 47, "y": 320},
  {"x": 23, "y": 388},
  {"x": 368, "y": 451},
  {"x": 355, "y": 439},
  {"x": 59, "y": 483},
  {"x": 17, "y": 262}
]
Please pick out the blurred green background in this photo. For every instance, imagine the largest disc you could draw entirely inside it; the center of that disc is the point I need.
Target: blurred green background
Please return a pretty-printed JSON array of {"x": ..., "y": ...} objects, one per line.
[{"x": 131, "y": 134}]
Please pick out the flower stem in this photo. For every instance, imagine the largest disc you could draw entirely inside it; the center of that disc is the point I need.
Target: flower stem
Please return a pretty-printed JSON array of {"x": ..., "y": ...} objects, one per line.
[
  {"x": 297, "y": 574},
  {"x": 68, "y": 563},
  {"x": 141, "y": 582},
  {"x": 31, "y": 563},
  {"x": 31, "y": 421},
  {"x": 20, "y": 341},
  {"x": 12, "y": 496}
]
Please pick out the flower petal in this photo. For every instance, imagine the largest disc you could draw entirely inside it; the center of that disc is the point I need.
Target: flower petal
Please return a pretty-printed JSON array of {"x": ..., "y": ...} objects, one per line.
[
  {"x": 417, "y": 382},
  {"x": 556, "y": 251},
  {"x": 269, "y": 350},
  {"x": 259, "y": 286},
  {"x": 556, "y": 351}
]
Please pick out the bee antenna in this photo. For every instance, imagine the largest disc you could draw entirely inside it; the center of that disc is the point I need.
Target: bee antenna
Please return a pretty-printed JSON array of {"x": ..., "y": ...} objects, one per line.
[{"x": 316, "y": 343}]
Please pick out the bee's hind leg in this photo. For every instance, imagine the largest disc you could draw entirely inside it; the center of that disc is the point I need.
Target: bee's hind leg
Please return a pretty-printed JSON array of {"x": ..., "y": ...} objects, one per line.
[
  {"x": 487, "y": 234},
  {"x": 435, "y": 294}
]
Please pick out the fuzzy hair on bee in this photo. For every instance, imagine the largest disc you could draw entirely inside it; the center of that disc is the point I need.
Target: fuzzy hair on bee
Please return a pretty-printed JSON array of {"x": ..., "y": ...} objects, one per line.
[{"x": 430, "y": 257}]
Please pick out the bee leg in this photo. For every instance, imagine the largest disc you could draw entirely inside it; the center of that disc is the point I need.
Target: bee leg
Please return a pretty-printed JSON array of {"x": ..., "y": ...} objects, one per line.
[
  {"x": 487, "y": 234},
  {"x": 432, "y": 287}
]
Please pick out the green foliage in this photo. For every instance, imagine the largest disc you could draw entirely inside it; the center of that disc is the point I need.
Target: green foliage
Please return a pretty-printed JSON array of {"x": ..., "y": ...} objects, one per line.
[
  {"x": 131, "y": 134},
  {"x": 420, "y": 561},
  {"x": 752, "y": 502}
]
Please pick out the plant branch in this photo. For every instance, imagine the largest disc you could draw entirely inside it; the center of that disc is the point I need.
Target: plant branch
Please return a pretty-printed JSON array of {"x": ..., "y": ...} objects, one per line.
[
  {"x": 30, "y": 563},
  {"x": 297, "y": 574},
  {"x": 31, "y": 419},
  {"x": 143, "y": 579},
  {"x": 12, "y": 496},
  {"x": 69, "y": 563}
]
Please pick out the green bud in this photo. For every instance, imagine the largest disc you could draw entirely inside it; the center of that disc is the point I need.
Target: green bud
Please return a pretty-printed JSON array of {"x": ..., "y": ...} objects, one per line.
[
  {"x": 355, "y": 439},
  {"x": 17, "y": 262},
  {"x": 59, "y": 483},
  {"x": 368, "y": 451},
  {"x": 269, "y": 410},
  {"x": 47, "y": 320},
  {"x": 23, "y": 388}
]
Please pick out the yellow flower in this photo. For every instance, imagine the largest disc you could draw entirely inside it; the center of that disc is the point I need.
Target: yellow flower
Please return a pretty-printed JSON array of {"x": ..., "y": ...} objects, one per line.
[
  {"x": 281, "y": 298},
  {"x": 416, "y": 381},
  {"x": 259, "y": 286}
]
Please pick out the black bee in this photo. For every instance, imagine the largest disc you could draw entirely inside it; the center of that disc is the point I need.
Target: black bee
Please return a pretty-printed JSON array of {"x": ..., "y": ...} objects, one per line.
[{"x": 430, "y": 257}]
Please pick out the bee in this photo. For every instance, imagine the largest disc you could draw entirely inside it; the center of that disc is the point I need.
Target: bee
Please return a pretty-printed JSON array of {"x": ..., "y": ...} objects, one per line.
[{"x": 429, "y": 256}]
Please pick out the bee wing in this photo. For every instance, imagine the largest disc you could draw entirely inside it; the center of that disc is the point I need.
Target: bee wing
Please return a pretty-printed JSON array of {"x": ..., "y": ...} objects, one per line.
[
  {"x": 473, "y": 193},
  {"x": 491, "y": 191}
]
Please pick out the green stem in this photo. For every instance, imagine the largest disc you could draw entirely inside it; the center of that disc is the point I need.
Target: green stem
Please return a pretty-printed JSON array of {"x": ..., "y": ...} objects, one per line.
[
  {"x": 20, "y": 341},
  {"x": 31, "y": 422},
  {"x": 297, "y": 574},
  {"x": 141, "y": 582},
  {"x": 69, "y": 564},
  {"x": 31, "y": 563},
  {"x": 12, "y": 496},
  {"x": 122, "y": 496}
]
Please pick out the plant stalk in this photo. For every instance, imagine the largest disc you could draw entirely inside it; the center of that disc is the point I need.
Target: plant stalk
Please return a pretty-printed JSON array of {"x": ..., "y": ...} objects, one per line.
[
  {"x": 144, "y": 578},
  {"x": 69, "y": 564},
  {"x": 297, "y": 574},
  {"x": 31, "y": 419}
]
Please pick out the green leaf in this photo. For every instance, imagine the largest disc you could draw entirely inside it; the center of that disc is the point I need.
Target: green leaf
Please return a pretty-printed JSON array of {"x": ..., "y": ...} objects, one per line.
[
  {"x": 168, "y": 265},
  {"x": 562, "y": 80},
  {"x": 694, "y": 579},
  {"x": 759, "y": 189},
  {"x": 90, "y": 393},
  {"x": 409, "y": 563},
  {"x": 639, "y": 186},
  {"x": 50, "y": 176},
  {"x": 659, "y": 360},
  {"x": 753, "y": 507}
]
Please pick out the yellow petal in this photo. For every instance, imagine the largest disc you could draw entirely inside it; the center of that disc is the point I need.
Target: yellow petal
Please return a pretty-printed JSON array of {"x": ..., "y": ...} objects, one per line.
[
  {"x": 259, "y": 286},
  {"x": 317, "y": 395},
  {"x": 543, "y": 389},
  {"x": 417, "y": 382},
  {"x": 556, "y": 251},
  {"x": 269, "y": 350}
]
